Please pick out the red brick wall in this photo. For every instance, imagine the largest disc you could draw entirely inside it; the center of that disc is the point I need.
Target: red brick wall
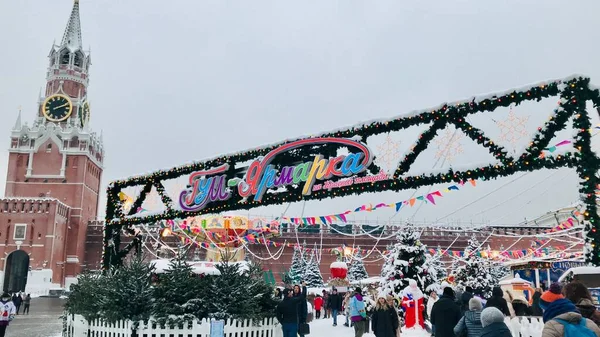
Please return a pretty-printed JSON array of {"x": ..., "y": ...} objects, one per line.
[{"x": 42, "y": 243}]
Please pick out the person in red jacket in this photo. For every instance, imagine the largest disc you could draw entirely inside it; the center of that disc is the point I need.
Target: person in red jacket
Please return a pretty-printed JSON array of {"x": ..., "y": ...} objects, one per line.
[{"x": 318, "y": 306}]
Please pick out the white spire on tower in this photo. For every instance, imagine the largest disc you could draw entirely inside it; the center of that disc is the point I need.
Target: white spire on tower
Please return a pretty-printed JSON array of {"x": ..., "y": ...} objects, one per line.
[
  {"x": 18, "y": 122},
  {"x": 72, "y": 36}
]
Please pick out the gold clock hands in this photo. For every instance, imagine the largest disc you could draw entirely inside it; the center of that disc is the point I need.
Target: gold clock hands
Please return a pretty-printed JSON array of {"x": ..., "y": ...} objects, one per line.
[{"x": 61, "y": 106}]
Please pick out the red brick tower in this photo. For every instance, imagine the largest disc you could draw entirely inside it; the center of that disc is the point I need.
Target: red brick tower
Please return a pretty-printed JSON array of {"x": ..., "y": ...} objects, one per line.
[{"x": 57, "y": 159}]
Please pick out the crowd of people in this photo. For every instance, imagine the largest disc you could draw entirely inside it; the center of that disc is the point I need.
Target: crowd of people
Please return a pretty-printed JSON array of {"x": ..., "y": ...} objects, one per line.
[
  {"x": 566, "y": 311},
  {"x": 294, "y": 312}
]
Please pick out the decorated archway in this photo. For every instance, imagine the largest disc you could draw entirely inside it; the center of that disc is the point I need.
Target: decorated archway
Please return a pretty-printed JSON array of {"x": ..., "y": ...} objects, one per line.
[
  {"x": 314, "y": 168},
  {"x": 15, "y": 273}
]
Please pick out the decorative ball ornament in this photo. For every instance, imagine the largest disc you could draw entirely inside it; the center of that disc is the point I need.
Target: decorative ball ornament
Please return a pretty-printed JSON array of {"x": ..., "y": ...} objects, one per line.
[{"x": 338, "y": 269}]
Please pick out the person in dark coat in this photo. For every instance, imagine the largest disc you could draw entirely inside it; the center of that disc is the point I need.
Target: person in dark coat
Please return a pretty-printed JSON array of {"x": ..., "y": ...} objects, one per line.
[
  {"x": 302, "y": 305},
  {"x": 465, "y": 298},
  {"x": 492, "y": 320},
  {"x": 535, "y": 304},
  {"x": 287, "y": 313},
  {"x": 384, "y": 320},
  {"x": 326, "y": 310},
  {"x": 445, "y": 314},
  {"x": 579, "y": 294},
  {"x": 497, "y": 301},
  {"x": 471, "y": 321},
  {"x": 17, "y": 300},
  {"x": 278, "y": 293},
  {"x": 335, "y": 305}
]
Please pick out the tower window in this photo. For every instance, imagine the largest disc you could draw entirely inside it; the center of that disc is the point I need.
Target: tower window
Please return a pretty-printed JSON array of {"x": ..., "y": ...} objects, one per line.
[
  {"x": 78, "y": 61},
  {"x": 49, "y": 148},
  {"x": 64, "y": 57}
]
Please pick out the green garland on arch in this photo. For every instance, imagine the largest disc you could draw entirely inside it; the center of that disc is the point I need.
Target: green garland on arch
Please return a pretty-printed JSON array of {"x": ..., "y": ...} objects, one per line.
[{"x": 574, "y": 92}]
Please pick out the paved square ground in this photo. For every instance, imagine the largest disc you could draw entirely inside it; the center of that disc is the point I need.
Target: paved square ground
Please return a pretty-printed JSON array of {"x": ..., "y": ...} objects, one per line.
[{"x": 42, "y": 321}]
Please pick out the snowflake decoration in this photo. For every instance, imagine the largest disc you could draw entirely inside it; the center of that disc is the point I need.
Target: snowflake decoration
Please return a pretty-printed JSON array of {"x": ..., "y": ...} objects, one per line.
[
  {"x": 174, "y": 190},
  {"x": 448, "y": 145},
  {"x": 513, "y": 128},
  {"x": 388, "y": 153}
]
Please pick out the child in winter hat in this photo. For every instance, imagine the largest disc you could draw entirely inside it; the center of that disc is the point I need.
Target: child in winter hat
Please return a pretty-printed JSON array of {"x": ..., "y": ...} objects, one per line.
[{"x": 555, "y": 293}]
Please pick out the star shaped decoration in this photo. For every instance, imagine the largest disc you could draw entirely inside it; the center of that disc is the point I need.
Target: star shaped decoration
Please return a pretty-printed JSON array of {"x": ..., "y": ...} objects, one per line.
[
  {"x": 513, "y": 128},
  {"x": 449, "y": 145},
  {"x": 388, "y": 153}
]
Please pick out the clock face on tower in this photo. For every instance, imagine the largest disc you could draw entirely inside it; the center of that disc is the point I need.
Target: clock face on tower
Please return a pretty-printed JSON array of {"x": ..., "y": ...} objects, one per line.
[
  {"x": 57, "y": 108},
  {"x": 84, "y": 113}
]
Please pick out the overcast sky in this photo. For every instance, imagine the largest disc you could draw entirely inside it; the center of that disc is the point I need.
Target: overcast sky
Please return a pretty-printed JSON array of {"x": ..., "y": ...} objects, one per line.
[{"x": 177, "y": 81}]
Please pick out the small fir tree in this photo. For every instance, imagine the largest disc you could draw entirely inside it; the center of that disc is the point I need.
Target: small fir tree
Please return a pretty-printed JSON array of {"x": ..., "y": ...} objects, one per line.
[
  {"x": 357, "y": 270},
  {"x": 261, "y": 291},
  {"x": 312, "y": 275},
  {"x": 406, "y": 262},
  {"x": 86, "y": 296},
  {"x": 232, "y": 293},
  {"x": 179, "y": 294},
  {"x": 475, "y": 270},
  {"x": 298, "y": 265},
  {"x": 128, "y": 293}
]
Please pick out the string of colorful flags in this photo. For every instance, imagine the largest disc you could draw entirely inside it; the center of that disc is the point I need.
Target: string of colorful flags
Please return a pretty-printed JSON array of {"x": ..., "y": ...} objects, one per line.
[
  {"x": 569, "y": 223},
  {"x": 335, "y": 218}
]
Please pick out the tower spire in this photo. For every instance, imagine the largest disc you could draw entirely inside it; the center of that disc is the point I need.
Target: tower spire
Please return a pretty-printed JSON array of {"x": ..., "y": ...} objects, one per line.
[
  {"x": 72, "y": 36},
  {"x": 18, "y": 122}
]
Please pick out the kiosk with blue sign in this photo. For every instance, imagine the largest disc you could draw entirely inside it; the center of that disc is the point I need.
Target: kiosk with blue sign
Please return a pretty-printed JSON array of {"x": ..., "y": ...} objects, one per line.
[{"x": 543, "y": 272}]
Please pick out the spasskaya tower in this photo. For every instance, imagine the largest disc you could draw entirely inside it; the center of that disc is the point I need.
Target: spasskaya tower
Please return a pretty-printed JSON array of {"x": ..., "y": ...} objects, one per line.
[{"x": 54, "y": 170}]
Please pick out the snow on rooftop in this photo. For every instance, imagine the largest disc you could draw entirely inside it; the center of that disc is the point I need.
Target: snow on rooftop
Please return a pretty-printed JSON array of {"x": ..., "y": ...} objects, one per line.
[{"x": 579, "y": 271}]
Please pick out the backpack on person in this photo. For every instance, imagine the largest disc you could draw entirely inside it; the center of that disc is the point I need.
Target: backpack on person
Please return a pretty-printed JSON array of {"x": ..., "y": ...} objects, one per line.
[{"x": 576, "y": 330}]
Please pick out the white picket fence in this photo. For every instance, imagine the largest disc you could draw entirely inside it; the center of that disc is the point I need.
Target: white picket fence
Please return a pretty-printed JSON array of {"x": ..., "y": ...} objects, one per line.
[
  {"x": 77, "y": 326},
  {"x": 525, "y": 326}
]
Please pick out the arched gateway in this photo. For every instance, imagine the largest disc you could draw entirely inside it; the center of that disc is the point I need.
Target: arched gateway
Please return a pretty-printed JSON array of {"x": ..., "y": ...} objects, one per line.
[
  {"x": 310, "y": 168},
  {"x": 15, "y": 272}
]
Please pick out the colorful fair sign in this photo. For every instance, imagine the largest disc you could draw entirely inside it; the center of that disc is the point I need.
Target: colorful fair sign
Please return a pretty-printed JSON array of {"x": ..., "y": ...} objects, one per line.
[{"x": 261, "y": 176}]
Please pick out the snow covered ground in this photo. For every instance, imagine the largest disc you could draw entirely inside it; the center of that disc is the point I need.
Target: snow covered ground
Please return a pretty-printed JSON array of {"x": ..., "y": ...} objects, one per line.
[{"x": 325, "y": 328}]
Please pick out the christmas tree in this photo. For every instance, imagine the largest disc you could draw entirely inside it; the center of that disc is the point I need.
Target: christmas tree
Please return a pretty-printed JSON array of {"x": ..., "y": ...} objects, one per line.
[
  {"x": 298, "y": 265},
  {"x": 434, "y": 267},
  {"x": 499, "y": 271},
  {"x": 261, "y": 291},
  {"x": 405, "y": 262},
  {"x": 87, "y": 295},
  {"x": 475, "y": 270},
  {"x": 128, "y": 292},
  {"x": 357, "y": 270},
  {"x": 179, "y": 294},
  {"x": 387, "y": 261},
  {"x": 312, "y": 275}
]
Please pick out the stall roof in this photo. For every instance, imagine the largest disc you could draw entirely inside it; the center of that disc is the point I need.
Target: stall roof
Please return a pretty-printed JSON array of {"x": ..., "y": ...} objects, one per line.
[
  {"x": 198, "y": 267},
  {"x": 580, "y": 271},
  {"x": 515, "y": 280},
  {"x": 369, "y": 280}
]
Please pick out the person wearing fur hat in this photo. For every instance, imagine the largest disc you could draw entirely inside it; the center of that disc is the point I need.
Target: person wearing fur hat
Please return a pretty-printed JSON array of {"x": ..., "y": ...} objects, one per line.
[
  {"x": 492, "y": 322},
  {"x": 7, "y": 312},
  {"x": 384, "y": 320},
  {"x": 445, "y": 314},
  {"x": 559, "y": 311},
  {"x": 471, "y": 321}
]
